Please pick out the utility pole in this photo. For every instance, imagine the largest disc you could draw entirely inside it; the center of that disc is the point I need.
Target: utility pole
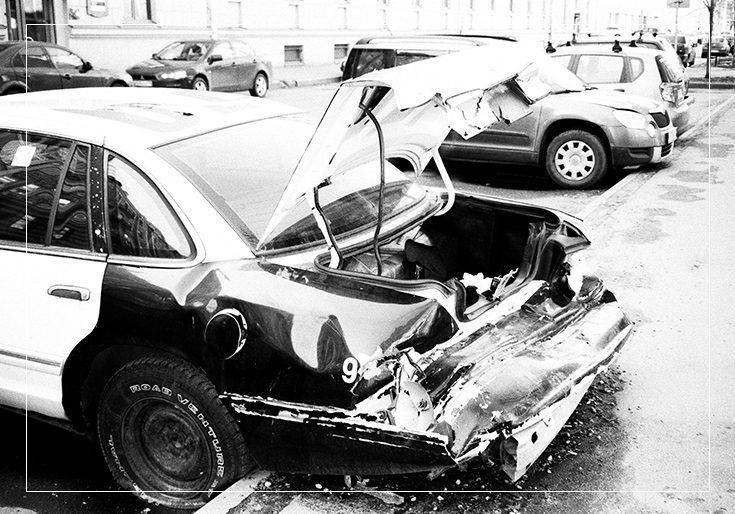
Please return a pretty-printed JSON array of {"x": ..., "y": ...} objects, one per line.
[{"x": 676, "y": 27}]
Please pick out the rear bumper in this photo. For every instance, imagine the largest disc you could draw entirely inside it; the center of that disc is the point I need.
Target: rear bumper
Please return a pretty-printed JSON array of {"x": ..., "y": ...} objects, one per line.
[{"x": 486, "y": 389}]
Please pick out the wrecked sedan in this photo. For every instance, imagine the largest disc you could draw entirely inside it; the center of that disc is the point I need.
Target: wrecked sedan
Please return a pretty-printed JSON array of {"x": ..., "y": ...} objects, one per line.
[{"x": 369, "y": 326}]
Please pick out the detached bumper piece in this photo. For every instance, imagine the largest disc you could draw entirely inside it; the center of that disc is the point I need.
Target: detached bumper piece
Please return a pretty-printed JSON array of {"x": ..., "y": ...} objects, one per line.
[{"x": 508, "y": 386}]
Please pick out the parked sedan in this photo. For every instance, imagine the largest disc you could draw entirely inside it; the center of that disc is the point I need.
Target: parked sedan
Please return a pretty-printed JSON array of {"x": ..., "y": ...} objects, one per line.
[
  {"x": 367, "y": 326},
  {"x": 216, "y": 65},
  {"x": 720, "y": 48},
  {"x": 36, "y": 66}
]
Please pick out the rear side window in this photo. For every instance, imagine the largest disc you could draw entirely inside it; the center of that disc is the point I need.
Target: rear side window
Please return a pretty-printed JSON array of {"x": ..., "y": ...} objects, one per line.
[
  {"x": 35, "y": 57},
  {"x": 141, "y": 223},
  {"x": 636, "y": 68},
  {"x": 669, "y": 69},
  {"x": 564, "y": 60},
  {"x": 601, "y": 69},
  {"x": 43, "y": 191}
]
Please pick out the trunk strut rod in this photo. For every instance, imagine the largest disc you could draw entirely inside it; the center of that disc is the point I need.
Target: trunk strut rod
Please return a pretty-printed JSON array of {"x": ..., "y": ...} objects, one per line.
[{"x": 381, "y": 144}]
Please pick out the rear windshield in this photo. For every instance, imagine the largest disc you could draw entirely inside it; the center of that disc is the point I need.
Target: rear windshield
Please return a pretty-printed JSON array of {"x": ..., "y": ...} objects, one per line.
[{"x": 669, "y": 68}]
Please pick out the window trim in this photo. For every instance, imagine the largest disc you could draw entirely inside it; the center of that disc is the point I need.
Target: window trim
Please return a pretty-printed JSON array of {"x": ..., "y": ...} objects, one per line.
[{"x": 197, "y": 252}]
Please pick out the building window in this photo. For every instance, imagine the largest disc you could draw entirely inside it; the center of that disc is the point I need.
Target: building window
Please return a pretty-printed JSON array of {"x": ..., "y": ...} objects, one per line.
[
  {"x": 342, "y": 14},
  {"x": 340, "y": 52},
  {"x": 138, "y": 10},
  {"x": 295, "y": 16},
  {"x": 293, "y": 54},
  {"x": 234, "y": 13}
]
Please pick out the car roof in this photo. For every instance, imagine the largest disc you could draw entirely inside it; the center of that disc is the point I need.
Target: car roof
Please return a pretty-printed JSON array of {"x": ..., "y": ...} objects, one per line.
[
  {"x": 637, "y": 51},
  {"x": 132, "y": 116},
  {"x": 428, "y": 41}
]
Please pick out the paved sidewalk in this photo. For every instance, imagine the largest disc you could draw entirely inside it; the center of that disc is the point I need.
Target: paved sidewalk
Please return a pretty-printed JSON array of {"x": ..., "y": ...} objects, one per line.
[
  {"x": 722, "y": 76},
  {"x": 305, "y": 75}
]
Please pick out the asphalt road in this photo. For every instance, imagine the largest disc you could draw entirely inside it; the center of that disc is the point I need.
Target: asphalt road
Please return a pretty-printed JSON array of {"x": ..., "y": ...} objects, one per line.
[{"x": 643, "y": 443}]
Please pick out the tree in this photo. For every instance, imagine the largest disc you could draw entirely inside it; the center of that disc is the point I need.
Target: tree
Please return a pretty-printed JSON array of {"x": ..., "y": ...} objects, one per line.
[{"x": 710, "y": 5}]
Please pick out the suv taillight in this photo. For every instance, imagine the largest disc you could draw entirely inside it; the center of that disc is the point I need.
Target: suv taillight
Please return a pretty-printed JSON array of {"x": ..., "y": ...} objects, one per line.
[{"x": 672, "y": 92}]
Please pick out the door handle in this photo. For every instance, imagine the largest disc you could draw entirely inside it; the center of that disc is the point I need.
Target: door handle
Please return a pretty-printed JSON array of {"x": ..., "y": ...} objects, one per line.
[
  {"x": 71, "y": 292},
  {"x": 621, "y": 90},
  {"x": 67, "y": 76}
]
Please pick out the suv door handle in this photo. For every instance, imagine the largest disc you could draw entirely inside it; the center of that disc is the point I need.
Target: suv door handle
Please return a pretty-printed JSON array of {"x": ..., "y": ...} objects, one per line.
[
  {"x": 67, "y": 76},
  {"x": 71, "y": 292}
]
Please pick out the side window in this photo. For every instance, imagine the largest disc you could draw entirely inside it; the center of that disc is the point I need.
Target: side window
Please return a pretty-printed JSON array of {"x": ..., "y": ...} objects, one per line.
[
  {"x": 636, "y": 68},
  {"x": 36, "y": 58},
  {"x": 43, "y": 183},
  {"x": 601, "y": 69},
  {"x": 141, "y": 223},
  {"x": 224, "y": 50},
  {"x": 71, "y": 223},
  {"x": 371, "y": 60},
  {"x": 564, "y": 60},
  {"x": 64, "y": 59},
  {"x": 242, "y": 50}
]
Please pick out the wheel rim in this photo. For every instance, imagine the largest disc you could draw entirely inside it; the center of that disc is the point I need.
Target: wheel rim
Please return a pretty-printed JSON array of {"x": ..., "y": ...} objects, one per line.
[
  {"x": 169, "y": 448},
  {"x": 200, "y": 85},
  {"x": 261, "y": 85},
  {"x": 574, "y": 160}
]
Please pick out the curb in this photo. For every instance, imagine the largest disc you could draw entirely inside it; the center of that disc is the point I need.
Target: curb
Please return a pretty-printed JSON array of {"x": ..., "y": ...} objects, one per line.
[
  {"x": 282, "y": 84},
  {"x": 711, "y": 85}
]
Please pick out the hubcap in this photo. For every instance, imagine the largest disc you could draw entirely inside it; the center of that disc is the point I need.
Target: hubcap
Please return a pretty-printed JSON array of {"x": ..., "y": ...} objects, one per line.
[
  {"x": 260, "y": 85},
  {"x": 168, "y": 447},
  {"x": 574, "y": 160},
  {"x": 200, "y": 85}
]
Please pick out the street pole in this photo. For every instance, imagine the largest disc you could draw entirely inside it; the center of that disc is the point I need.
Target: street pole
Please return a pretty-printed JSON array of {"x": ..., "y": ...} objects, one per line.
[{"x": 676, "y": 27}]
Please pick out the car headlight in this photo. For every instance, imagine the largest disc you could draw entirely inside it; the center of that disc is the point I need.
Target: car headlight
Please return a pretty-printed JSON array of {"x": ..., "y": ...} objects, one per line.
[
  {"x": 631, "y": 119},
  {"x": 651, "y": 130},
  {"x": 173, "y": 75}
]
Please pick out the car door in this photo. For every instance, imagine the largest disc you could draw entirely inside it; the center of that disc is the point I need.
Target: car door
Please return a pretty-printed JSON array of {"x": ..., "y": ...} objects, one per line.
[
  {"x": 224, "y": 72},
  {"x": 246, "y": 63},
  {"x": 72, "y": 70},
  {"x": 33, "y": 66},
  {"x": 50, "y": 273}
]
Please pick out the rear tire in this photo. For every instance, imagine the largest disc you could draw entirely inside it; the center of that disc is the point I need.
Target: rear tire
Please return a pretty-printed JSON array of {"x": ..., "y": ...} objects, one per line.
[
  {"x": 165, "y": 434},
  {"x": 576, "y": 159}
]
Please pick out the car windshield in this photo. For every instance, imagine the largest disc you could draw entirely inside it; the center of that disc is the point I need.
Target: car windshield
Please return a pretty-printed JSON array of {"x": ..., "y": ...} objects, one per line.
[
  {"x": 183, "y": 51},
  {"x": 244, "y": 182},
  {"x": 555, "y": 76}
]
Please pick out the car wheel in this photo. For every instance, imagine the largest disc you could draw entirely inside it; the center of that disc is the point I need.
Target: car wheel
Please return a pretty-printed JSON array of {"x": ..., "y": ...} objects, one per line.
[
  {"x": 165, "y": 434},
  {"x": 260, "y": 85},
  {"x": 576, "y": 159},
  {"x": 200, "y": 84},
  {"x": 118, "y": 84}
]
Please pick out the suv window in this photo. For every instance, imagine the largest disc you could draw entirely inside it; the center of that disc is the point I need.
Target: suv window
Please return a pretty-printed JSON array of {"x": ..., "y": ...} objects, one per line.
[
  {"x": 601, "y": 69},
  {"x": 43, "y": 183},
  {"x": 141, "y": 223}
]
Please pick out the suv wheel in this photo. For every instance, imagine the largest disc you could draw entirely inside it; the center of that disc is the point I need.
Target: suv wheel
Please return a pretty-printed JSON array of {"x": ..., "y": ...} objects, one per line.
[{"x": 576, "y": 159}]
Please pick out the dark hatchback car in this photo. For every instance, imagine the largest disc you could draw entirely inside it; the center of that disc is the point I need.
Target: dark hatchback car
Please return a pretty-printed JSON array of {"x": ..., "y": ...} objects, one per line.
[
  {"x": 205, "y": 65},
  {"x": 36, "y": 66}
]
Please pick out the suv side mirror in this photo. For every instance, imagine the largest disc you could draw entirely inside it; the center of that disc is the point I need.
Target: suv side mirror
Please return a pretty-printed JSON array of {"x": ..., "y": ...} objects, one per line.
[
  {"x": 86, "y": 66},
  {"x": 214, "y": 58}
]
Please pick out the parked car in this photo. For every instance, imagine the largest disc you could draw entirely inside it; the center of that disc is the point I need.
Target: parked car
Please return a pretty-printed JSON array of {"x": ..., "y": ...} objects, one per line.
[
  {"x": 368, "y": 326},
  {"x": 216, "y": 65},
  {"x": 685, "y": 49},
  {"x": 36, "y": 66},
  {"x": 376, "y": 53},
  {"x": 637, "y": 39},
  {"x": 655, "y": 74},
  {"x": 577, "y": 135},
  {"x": 720, "y": 48}
]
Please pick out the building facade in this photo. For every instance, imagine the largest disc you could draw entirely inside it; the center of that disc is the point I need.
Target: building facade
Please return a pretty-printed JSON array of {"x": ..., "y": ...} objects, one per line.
[{"x": 116, "y": 33}]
